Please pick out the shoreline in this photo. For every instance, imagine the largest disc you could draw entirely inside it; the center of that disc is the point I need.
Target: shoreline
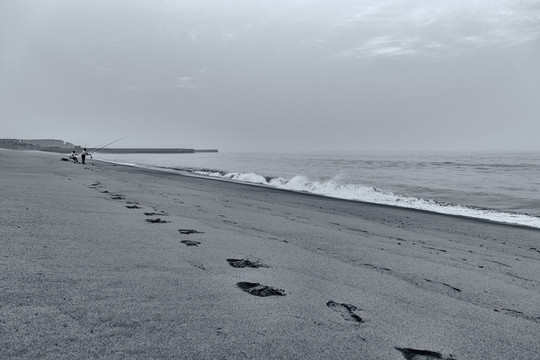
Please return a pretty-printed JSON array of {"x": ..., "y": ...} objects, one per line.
[
  {"x": 112, "y": 261},
  {"x": 191, "y": 174}
]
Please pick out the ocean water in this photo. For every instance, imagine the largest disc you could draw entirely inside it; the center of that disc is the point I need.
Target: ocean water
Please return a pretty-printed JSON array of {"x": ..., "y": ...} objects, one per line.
[{"x": 502, "y": 187}]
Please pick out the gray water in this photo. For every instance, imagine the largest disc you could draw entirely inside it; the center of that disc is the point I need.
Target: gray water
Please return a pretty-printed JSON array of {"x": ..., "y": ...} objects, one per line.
[{"x": 496, "y": 186}]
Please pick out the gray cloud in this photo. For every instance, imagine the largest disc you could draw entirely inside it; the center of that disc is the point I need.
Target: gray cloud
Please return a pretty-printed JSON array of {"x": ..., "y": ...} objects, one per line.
[{"x": 422, "y": 28}]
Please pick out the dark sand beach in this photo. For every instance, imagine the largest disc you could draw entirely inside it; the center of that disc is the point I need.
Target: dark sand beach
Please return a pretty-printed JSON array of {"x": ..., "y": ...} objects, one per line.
[{"x": 107, "y": 261}]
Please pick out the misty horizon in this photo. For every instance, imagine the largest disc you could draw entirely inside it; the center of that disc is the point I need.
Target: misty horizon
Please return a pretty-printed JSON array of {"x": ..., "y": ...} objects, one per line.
[{"x": 260, "y": 76}]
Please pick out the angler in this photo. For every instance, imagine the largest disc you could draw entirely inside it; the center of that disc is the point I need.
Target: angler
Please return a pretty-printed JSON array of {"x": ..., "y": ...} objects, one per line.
[{"x": 85, "y": 153}]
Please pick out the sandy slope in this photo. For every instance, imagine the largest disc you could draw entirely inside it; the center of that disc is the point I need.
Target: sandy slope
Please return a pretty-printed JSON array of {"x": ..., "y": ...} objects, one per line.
[{"x": 84, "y": 276}]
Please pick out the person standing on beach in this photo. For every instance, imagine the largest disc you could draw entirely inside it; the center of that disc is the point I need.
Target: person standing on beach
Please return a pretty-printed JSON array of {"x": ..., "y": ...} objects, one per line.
[{"x": 83, "y": 155}]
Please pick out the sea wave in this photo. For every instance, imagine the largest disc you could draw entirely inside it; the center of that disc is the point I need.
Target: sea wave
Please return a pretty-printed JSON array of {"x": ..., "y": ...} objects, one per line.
[{"x": 337, "y": 188}]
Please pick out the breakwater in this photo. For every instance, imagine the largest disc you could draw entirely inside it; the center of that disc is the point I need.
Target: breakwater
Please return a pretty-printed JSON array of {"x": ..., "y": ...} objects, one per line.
[{"x": 150, "y": 150}]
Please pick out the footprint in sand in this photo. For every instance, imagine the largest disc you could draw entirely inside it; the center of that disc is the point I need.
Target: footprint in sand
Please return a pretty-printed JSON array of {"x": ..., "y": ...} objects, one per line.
[
  {"x": 190, "y": 242},
  {"x": 133, "y": 207},
  {"x": 189, "y": 231},
  {"x": 259, "y": 290},
  {"x": 378, "y": 268},
  {"x": 243, "y": 263},
  {"x": 155, "y": 213},
  {"x": 117, "y": 197},
  {"x": 415, "y": 354},
  {"x": 95, "y": 185},
  {"x": 346, "y": 310},
  {"x": 157, "y": 221}
]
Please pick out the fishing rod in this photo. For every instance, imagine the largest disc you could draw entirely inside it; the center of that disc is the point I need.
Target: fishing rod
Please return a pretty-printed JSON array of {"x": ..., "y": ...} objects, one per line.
[{"x": 104, "y": 146}]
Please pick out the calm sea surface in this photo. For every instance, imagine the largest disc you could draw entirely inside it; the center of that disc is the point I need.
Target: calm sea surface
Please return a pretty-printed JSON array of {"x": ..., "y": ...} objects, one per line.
[{"x": 495, "y": 186}]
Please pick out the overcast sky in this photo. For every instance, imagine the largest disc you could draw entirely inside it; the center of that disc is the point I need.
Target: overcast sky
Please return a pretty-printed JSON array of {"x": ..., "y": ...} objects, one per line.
[{"x": 273, "y": 74}]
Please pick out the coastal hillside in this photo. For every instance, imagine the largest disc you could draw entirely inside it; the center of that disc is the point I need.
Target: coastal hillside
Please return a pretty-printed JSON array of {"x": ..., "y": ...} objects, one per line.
[{"x": 36, "y": 144}]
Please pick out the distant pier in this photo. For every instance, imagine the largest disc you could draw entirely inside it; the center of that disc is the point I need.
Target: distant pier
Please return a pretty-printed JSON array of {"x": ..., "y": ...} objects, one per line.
[{"x": 152, "y": 151}]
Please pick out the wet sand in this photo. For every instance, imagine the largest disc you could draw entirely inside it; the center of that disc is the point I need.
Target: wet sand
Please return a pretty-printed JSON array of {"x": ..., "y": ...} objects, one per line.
[{"x": 106, "y": 261}]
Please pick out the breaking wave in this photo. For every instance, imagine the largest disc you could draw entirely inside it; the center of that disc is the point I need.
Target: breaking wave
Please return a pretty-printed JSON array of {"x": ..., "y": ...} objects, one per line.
[{"x": 337, "y": 188}]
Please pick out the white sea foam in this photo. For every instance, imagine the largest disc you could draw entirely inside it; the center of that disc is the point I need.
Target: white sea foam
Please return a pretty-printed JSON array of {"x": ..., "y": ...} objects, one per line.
[{"x": 336, "y": 188}]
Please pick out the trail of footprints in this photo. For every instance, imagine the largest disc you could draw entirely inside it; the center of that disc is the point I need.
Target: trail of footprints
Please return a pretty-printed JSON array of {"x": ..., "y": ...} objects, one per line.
[{"x": 347, "y": 311}]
